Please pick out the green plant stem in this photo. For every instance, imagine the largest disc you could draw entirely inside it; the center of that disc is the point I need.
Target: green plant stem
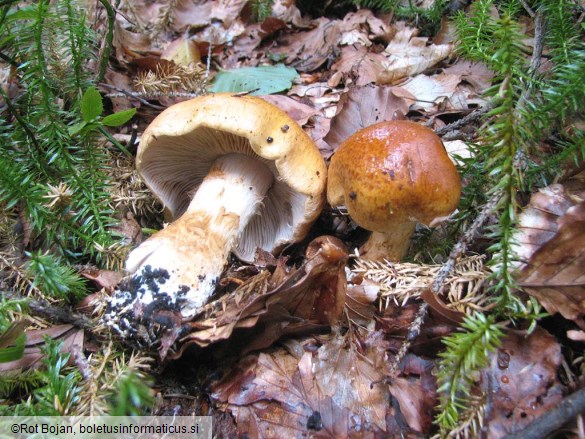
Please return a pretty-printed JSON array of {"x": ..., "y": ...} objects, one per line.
[{"x": 111, "y": 13}]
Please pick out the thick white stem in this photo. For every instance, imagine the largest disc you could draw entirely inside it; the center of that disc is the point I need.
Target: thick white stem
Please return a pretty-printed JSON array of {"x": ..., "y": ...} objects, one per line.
[
  {"x": 181, "y": 264},
  {"x": 391, "y": 245}
]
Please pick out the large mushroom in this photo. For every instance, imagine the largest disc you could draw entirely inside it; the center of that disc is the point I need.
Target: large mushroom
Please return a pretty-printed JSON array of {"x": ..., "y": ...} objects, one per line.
[
  {"x": 390, "y": 176},
  {"x": 237, "y": 174}
]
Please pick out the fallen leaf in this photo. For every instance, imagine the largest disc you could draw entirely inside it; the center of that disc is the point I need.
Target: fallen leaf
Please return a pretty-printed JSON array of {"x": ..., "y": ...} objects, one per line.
[
  {"x": 413, "y": 398},
  {"x": 475, "y": 73},
  {"x": 333, "y": 392},
  {"x": 269, "y": 306},
  {"x": 198, "y": 14},
  {"x": 72, "y": 341},
  {"x": 430, "y": 92},
  {"x": 360, "y": 65},
  {"x": 538, "y": 222},
  {"x": 308, "y": 50},
  {"x": 361, "y": 107},
  {"x": 408, "y": 55},
  {"x": 103, "y": 278},
  {"x": 300, "y": 112},
  {"x": 555, "y": 273},
  {"x": 521, "y": 381},
  {"x": 262, "y": 80}
]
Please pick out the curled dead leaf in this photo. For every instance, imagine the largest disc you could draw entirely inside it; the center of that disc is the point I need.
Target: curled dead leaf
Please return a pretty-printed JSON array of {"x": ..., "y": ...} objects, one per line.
[
  {"x": 554, "y": 273},
  {"x": 521, "y": 381},
  {"x": 269, "y": 306}
]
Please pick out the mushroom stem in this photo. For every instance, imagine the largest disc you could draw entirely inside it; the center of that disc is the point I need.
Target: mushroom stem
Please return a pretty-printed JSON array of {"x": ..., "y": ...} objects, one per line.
[
  {"x": 189, "y": 255},
  {"x": 392, "y": 246}
]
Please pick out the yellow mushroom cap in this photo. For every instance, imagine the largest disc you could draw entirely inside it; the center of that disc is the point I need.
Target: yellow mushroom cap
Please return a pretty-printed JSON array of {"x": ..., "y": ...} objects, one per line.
[{"x": 181, "y": 144}]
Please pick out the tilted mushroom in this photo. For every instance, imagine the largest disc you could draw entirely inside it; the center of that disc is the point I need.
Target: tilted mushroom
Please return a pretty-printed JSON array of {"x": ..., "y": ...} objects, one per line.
[
  {"x": 391, "y": 175},
  {"x": 237, "y": 173}
]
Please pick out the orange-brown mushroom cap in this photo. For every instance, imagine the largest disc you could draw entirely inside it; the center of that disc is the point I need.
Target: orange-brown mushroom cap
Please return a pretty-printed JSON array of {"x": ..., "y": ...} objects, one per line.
[{"x": 393, "y": 173}]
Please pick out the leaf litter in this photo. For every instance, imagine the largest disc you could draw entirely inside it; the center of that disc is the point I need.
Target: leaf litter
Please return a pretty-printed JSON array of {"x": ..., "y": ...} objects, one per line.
[{"x": 296, "y": 375}]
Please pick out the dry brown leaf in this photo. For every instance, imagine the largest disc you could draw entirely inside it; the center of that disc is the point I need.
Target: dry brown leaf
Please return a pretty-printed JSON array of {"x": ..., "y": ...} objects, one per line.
[
  {"x": 308, "y": 50},
  {"x": 308, "y": 299},
  {"x": 72, "y": 342},
  {"x": 413, "y": 398},
  {"x": 521, "y": 381},
  {"x": 129, "y": 45},
  {"x": 408, "y": 55},
  {"x": 430, "y": 92},
  {"x": 335, "y": 391},
  {"x": 197, "y": 14},
  {"x": 287, "y": 11},
  {"x": 538, "y": 222},
  {"x": 103, "y": 278},
  {"x": 242, "y": 52},
  {"x": 476, "y": 74},
  {"x": 361, "y": 107},
  {"x": 359, "y": 64},
  {"x": 328, "y": 394},
  {"x": 555, "y": 273},
  {"x": 298, "y": 111}
]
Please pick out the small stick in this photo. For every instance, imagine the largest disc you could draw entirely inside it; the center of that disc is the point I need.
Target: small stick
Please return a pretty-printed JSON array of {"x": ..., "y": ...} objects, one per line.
[
  {"x": 471, "y": 117},
  {"x": 554, "y": 419},
  {"x": 123, "y": 93}
]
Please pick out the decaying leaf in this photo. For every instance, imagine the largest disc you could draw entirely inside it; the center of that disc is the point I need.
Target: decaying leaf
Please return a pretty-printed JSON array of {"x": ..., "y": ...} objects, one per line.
[
  {"x": 521, "y": 381},
  {"x": 429, "y": 92},
  {"x": 409, "y": 55},
  {"x": 220, "y": 15},
  {"x": 361, "y": 107},
  {"x": 555, "y": 273},
  {"x": 361, "y": 65},
  {"x": 269, "y": 306},
  {"x": 72, "y": 342},
  {"x": 538, "y": 222},
  {"x": 335, "y": 390}
]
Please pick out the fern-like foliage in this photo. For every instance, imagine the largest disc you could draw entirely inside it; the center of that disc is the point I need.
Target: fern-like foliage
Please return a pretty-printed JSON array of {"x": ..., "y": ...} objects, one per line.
[
  {"x": 56, "y": 386},
  {"x": 466, "y": 352},
  {"x": 261, "y": 9},
  {"x": 528, "y": 107},
  {"x": 57, "y": 180},
  {"x": 501, "y": 145},
  {"x": 54, "y": 279}
]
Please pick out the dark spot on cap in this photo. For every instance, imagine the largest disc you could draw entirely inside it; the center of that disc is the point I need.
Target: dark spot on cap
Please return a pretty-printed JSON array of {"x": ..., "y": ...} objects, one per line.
[
  {"x": 269, "y": 139},
  {"x": 352, "y": 195},
  {"x": 284, "y": 128},
  {"x": 318, "y": 173}
]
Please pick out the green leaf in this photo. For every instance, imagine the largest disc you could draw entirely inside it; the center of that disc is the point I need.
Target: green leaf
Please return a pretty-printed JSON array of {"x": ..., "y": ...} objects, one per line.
[
  {"x": 261, "y": 80},
  {"x": 12, "y": 343},
  {"x": 25, "y": 13},
  {"x": 119, "y": 118},
  {"x": 76, "y": 129},
  {"x": 91, "y": 104}
]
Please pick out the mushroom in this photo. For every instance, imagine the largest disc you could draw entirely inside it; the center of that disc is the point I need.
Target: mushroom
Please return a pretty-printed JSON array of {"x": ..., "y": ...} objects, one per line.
[
  {"x": 391, "y": 175},
  {"x": 236, "y": 173}
]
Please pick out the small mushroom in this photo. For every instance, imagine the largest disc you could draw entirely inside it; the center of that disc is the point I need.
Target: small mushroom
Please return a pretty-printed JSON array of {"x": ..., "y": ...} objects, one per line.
[
  {"x": 390, "y": 176},
  {"x": 234, "y": 181}
]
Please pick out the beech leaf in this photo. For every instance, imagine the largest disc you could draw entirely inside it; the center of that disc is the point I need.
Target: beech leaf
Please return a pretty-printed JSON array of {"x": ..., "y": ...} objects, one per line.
[{"x": 261, "y": 80}]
